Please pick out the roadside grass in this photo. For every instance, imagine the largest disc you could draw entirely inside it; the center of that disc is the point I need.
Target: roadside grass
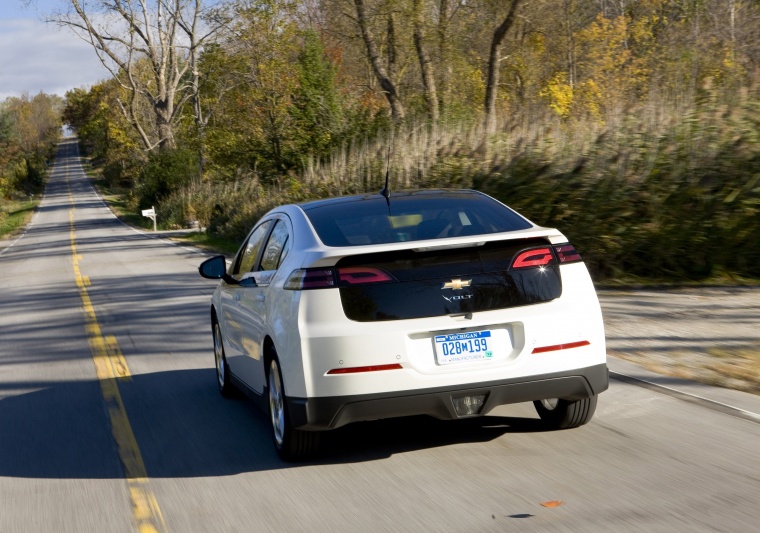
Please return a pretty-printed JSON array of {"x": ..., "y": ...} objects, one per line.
[
  {"x": 116, "y": 198},
  {"x": 730, "y": 367},
  {"x": 735, "y": 368},
  {"x": 15, "y": 215},
  {"x": 741, "y": 365},
  {"x": 207, "y": 242},
  {"x": 625, "y": 282},
  {"x": 665, "y": 195}
]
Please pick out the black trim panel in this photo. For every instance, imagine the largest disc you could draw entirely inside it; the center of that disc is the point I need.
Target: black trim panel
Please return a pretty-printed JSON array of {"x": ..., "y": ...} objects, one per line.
[
  {"x": 333, "y": 412},
  {"x": 419, "y": 287}
]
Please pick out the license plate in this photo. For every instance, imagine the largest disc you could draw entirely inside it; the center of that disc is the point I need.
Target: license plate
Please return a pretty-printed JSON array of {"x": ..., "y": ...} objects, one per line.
[{"x": 463, "y": 347}]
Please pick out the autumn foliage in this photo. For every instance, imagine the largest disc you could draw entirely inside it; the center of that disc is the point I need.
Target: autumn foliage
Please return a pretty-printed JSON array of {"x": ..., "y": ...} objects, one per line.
[{"x": 631, "y": 125}]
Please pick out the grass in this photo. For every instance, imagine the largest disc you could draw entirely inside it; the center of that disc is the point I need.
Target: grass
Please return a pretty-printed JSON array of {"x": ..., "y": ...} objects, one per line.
[
  {"x": 732, "y": 368},
  {"x": 210, "y": 243},
  {"x": 116, "y": 200},
  {"x": 15, "y": 215},
  {"x": 717, "y": 280},
  {"x": 667, "y": 196}
]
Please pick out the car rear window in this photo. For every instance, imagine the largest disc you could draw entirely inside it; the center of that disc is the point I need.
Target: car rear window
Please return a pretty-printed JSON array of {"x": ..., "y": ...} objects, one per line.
[{"x": 358, "y": 221}]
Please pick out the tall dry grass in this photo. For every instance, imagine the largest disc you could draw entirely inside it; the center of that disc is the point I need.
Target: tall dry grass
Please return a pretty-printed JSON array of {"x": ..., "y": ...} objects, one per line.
[{"x": 659, "y": 191}]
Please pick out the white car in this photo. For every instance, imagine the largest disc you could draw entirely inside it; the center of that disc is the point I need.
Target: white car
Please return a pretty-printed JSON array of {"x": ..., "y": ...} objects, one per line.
[{"x": 438, "y": 302}]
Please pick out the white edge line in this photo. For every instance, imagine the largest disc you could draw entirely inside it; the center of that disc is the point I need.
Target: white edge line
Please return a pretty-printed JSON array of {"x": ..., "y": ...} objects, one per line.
[
  {"x": 26, "y": 228},
  {"x": 707, "y": 402},
  {"x": 138, "y": 231}
]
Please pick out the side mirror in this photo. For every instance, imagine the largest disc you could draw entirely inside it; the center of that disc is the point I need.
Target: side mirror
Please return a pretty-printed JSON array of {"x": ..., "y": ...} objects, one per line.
[{"x": 216, "y": 268}]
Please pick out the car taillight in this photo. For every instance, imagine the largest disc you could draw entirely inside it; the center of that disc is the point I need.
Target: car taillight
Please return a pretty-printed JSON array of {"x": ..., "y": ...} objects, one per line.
[
  {"x": 326, "y": 278},
  {"x": 357, "y": 275},
  {"x": 539, "y": 257},
  {"x": 311, "y": 278},
  {"x": 536, "y": 257},
  {"x": 566, "y": 253}
]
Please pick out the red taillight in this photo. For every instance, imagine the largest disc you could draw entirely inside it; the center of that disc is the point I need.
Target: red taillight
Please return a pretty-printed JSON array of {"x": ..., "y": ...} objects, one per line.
[
  {"x": 358, "y": 369},
  {"x": 326, "y": 278},
  {"x": 356, "y": 275},
  {"x": 566, "y": 253},
  {"x": 537, "y": 257},
  {"x": 556, "y": 347}
]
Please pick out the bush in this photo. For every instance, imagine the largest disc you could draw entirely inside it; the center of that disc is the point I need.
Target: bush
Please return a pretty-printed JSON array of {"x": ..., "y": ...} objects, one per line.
[{"x": 165, "y": 172}]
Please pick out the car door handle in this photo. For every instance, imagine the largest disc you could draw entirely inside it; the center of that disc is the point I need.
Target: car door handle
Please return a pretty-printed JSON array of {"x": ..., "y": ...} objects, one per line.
[
  {"x": 236, "y": 298},
  {"x": 259, "y": 297}
]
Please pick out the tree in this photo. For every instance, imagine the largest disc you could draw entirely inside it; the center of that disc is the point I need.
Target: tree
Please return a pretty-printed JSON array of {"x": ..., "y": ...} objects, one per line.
[
  {"x": 494, "y": 60},
  {"x": 254, "y": 79},
  {"x": 426, "y": 64},
  {"x": 316, "y": 102},
  {"x": 103, "y": 131},
  {"x": 29, "y": 129},
  {"x": 150, "y": 47},
  {"x": 383, "y": 75}
]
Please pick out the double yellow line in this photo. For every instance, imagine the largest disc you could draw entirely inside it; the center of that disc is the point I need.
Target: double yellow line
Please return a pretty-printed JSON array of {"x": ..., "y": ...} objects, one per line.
[{"x": 111, "y": 367}]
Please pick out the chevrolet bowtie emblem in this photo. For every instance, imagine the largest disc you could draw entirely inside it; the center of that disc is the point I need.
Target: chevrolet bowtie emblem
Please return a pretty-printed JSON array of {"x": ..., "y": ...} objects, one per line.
[{"x": 457, "y": 284}]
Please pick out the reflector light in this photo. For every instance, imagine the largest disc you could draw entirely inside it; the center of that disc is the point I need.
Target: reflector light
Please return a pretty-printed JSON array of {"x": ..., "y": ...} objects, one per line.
[
  {"x": 556, "y": 347},
  {"x": 567, "y": 253},
  {"x": 358, "y": 369},
  {"x": 533, "y": 258},
  {"x": 356, "y": 275}
]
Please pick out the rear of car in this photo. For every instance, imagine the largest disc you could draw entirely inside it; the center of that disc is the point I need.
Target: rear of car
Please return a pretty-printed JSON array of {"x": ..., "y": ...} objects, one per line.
[{"x": 445, "y": 303}]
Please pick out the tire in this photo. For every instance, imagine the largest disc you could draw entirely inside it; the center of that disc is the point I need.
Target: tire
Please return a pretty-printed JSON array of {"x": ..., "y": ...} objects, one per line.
[
  {"x": 220, "y": 362},
  {"x": 565, "y": 414},
  {"x": 291, "y": 444}
]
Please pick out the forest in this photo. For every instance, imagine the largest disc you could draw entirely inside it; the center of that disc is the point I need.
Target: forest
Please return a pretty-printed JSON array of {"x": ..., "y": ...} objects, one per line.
[{"x": 633, "y": 126}]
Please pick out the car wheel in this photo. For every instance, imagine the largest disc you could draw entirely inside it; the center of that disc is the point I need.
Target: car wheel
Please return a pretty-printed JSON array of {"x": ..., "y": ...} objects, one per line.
[
  {"x": 220, "y": 360},
  {"x": 565, "y": 414},
  {"x": 291, "y": 444}
]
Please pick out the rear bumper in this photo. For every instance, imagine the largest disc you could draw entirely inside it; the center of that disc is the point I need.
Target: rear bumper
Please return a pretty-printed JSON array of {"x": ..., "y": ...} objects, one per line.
[{"x": 332, "y": 412}]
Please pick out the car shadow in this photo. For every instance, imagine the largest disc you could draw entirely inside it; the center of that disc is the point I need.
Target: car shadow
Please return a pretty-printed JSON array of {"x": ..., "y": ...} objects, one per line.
[
  {"x": 368, "y": 441},
  {"x": 184, "y": 428}
]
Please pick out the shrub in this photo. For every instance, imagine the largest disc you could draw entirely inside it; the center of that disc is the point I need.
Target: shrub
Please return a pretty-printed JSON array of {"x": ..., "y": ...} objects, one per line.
[{"x": 165, "y": 172}]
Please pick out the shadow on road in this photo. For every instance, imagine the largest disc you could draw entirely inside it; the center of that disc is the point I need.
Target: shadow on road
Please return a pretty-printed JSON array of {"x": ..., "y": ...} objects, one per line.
[{"x": 184, "y": 428}]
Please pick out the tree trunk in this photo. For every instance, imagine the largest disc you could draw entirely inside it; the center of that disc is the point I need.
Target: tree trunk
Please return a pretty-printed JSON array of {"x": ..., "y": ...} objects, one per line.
[
  {"x": 426, "y": 64},
  {"x": 492, "y": 81},
  {"x": 389, "y": 88},
  {"x": 444, "y": 47}
]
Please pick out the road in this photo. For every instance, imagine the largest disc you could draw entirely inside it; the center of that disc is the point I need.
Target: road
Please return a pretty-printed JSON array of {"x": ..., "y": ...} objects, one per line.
[{"x": 110, "y": 421}]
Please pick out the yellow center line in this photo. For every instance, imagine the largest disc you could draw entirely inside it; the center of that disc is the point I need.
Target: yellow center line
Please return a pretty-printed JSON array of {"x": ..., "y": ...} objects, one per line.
[{"x": 111, "y": 367}]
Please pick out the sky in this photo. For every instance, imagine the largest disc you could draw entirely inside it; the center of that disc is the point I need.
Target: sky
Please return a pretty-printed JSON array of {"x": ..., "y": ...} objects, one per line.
[{"x": 41, "y": 57}]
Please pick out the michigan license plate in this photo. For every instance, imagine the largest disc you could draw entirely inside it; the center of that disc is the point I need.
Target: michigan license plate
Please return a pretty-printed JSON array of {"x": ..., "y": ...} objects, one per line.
[{"x": 463, "y": 347}]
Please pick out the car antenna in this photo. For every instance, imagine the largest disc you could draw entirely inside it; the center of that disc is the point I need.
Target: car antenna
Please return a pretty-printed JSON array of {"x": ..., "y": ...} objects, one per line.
[{"x": 386, "y": 191}]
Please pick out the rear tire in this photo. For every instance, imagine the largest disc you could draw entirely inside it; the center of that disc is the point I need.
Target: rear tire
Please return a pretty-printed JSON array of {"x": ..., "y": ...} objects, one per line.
[
  {"x": 565, "y": 414},
  {"x": 220, "y": 361},
  {"x": 291, "y": 444}
]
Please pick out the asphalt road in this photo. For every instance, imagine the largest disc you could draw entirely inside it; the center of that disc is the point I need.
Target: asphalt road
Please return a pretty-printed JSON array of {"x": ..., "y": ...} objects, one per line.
[{"x": 110, "y": 421}]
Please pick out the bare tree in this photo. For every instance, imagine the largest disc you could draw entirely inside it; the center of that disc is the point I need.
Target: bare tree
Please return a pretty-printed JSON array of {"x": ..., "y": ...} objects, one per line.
[
  {"x": 382, "y": 74},
  {"x": 151, "y": 48},
  {"x": 426, "y": 64},
  {"x": 444, "y": 52},
  {"x": 492, "y": 82}
]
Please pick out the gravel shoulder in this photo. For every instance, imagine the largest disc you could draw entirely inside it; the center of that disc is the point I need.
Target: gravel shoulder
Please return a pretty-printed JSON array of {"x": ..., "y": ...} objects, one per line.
[{"x": 709, "y": 335}]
